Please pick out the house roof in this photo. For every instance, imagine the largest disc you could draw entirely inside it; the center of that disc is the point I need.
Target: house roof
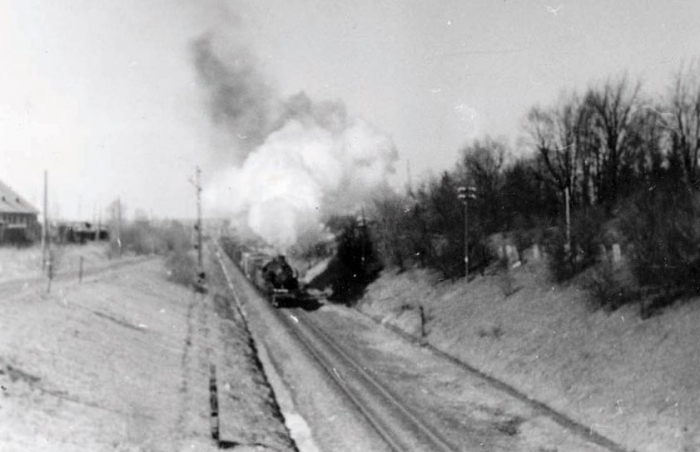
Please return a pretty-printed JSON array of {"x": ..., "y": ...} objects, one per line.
[{"x": 11, "y": 202}]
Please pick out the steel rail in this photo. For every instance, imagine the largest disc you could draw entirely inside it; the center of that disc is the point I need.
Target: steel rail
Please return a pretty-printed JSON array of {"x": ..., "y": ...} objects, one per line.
[
  {"x": 578, "y": 429},
  {"x": 383, "y": 431},
  {"x": 395, "y": 440},
  {"x": 423, "y": 433}
]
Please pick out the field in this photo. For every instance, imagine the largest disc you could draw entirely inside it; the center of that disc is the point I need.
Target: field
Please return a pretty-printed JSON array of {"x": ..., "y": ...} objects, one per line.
[
  {"x": 123, "y": 361},
  {"x": 25, "y": 263},
  {"x": 632, "y": 380}
]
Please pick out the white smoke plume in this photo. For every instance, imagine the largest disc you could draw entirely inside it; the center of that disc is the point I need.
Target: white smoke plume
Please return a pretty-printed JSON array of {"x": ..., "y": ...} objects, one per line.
[{"x": 312, "y": 161}]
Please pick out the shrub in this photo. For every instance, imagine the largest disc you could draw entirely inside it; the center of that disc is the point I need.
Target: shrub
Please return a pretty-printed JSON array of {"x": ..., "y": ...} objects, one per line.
[
  {"x": 396, "y": 232},
  {"x": 181, "y": 267},
  {"x": 142, "y": 237},
  {"x": 357, "y": 254},
  {"x": 561, "y": 263},
  {"x": 608, "y": 287},
  {"x": 354, "y": 266},
  {"x": 565, "y": 262},
  {"x": 506, "y": 281},
  {"x": 172, "y": 240},
  {"x": 174, "y": 236},
  {"x": 523, "y": 240},
  {"x": 480, "y": 255},
  {"x": 661, "y": 225}
]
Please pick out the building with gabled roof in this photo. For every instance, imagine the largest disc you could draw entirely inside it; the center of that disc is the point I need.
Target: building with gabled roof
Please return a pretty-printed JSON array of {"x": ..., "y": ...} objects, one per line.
[{"x": 18, "y": 218}]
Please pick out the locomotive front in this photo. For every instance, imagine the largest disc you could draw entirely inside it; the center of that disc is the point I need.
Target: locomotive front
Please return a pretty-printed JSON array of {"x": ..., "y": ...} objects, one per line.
[{"x": 280, "y": 280}]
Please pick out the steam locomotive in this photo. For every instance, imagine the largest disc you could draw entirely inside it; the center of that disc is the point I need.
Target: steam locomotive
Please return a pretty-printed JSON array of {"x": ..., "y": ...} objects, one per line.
[
  {"x": 280, "y": 281},
  {"x": 272, "y": 275}
]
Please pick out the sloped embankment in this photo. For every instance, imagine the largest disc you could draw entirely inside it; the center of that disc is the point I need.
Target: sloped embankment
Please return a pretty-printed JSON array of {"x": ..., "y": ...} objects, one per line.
[
  {"x": 631, "y": 380},
  {"x": 249, "y": 415},
  {"x": 123, "y": 362}
]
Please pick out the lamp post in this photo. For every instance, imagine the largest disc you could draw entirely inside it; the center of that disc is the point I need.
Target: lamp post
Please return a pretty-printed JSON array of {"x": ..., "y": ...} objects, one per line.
[{"x": 465, "y": 194}]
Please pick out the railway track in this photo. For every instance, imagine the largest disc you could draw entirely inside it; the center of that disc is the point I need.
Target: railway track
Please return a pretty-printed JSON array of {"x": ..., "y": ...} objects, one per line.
[
  {"x": 446, "y": 411},
  {"x": 401, "y": 427}
]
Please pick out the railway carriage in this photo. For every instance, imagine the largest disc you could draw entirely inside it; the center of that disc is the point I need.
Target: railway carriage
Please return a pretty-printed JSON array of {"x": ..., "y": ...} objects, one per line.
[{"x": 272, "y": 275}]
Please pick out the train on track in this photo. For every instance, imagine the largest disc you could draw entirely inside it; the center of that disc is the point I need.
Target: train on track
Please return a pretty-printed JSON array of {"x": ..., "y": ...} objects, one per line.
[{"x": 271, "y": 274}]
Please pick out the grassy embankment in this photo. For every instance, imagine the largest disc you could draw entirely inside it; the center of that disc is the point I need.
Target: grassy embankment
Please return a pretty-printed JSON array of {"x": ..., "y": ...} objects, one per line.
[
  {"x": 122, "y": 362},
  {"x": 632, "y": 380}
]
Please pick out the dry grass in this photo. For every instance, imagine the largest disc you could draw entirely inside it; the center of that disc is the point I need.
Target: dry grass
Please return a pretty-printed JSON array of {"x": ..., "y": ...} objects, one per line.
[
  {"x": 22, "y": 263},
  {"x": 632, "y": 380},
  {"x": 121, "y": 363}
]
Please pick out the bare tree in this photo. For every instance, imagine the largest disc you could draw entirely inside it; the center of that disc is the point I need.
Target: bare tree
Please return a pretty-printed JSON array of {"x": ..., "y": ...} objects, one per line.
[
  {"x": 649, "y": 139},
  {"x": 555, "y": 134},
  {"x": 481, "y": 167},
  {"x": 482, "y": 162},
  {"x": 391, "y": 230},
  {"x": 612, "y": 107},
  {"x": 685, "y": 134}
]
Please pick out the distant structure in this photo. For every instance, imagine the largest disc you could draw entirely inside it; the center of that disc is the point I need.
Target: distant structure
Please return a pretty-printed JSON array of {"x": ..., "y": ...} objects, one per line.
[
  {"x": 18, "y": 218},
  {"x": 81, "y": 232}
]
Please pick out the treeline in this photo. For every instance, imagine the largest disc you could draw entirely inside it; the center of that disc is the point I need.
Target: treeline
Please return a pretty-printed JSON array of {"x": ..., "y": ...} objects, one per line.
[{"x": 626, "y": 162}]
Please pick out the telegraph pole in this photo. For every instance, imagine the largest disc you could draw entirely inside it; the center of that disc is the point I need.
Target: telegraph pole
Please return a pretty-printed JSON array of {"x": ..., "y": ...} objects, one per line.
[
  {"x": 198, "y": 227},
  {"x": 119, "y": 226},
  {"x": 99, "y": 226},
  {"x": 464, "y": 194},
  {"x": 45, "y": 224},
  {"x": 466, "y": 238},
  {"x": 198, "y": 187},
  {"x": 409, "y": 180},
  {"x": 200, "y": 261}
]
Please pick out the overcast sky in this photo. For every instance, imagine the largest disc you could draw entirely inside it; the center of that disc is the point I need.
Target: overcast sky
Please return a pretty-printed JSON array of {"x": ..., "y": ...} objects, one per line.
[{"x": 104, "y": 95}]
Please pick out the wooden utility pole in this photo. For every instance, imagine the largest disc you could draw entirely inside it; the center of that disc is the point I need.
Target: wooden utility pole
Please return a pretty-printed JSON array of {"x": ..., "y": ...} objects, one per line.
[
  {"x": 119, "y": 226},
  {"x": 198, "y": 188},
  {"x": 200, "y": 261},
  {"x": 45, "y": 224},
  {"x": 464, "y": 194},
  {"x": 466, "y": 239},
  {"x": 409, "y": 180}
]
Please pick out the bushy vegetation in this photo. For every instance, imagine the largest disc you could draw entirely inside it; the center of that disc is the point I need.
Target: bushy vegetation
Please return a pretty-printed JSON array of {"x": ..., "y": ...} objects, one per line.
[
  {"x": 426, "y": 227},
  {"x": 170, "y": 239},
  {"x": 610, "y": 287},
  {"x": 629, "y": 166},
  {"x": 662, "y": 225},
  {"x": 144, "y": 237},
  {"x": 355, "y": 264},
  {"x": 570, "y": 256},
  {"x": 181, "y": 267}
]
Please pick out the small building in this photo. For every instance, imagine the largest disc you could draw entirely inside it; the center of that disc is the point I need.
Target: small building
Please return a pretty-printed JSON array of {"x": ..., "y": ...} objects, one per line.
[
  {"x": 18, "y": 218},
  {"x": 81, "y": 232}
]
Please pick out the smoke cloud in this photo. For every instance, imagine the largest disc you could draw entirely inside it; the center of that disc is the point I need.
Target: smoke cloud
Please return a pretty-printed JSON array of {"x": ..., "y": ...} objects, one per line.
[
  {"x": 239, "y": 100},
  {"x": 302, "y": 161}
]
